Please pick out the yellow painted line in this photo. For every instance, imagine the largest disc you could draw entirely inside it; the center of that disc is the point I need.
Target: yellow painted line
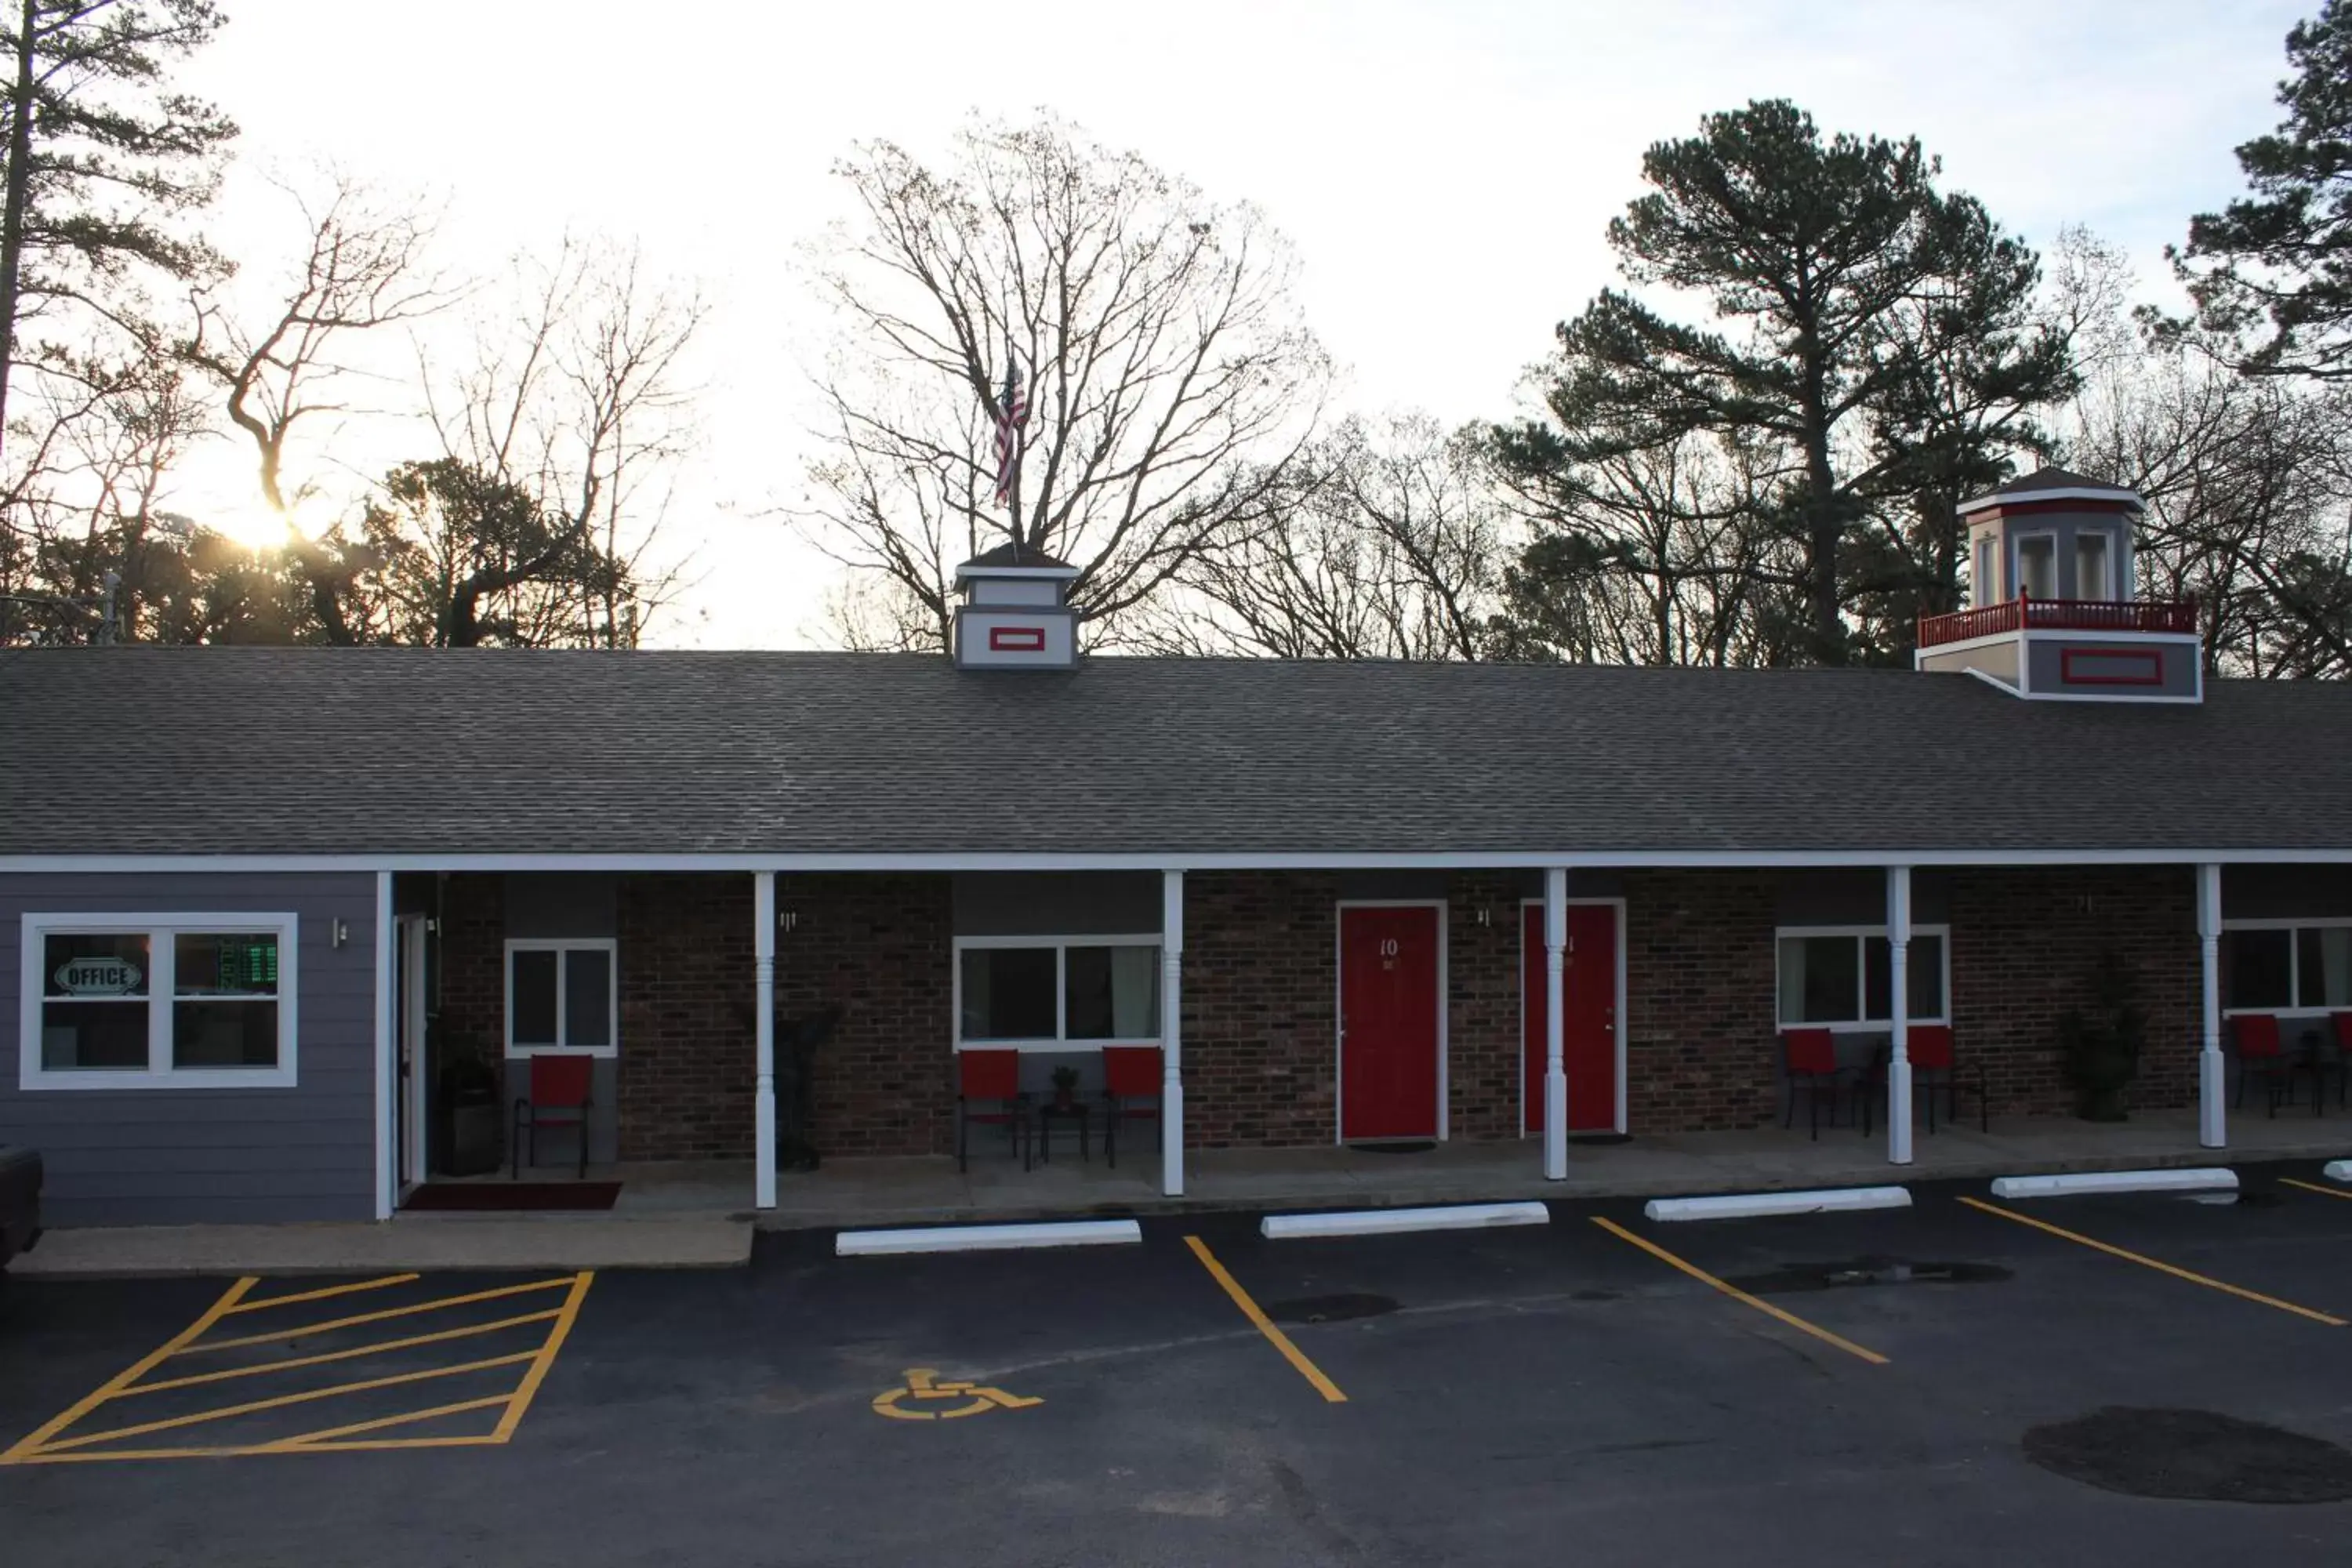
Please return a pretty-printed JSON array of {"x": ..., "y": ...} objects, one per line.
[
  {"x": 308, "y": 1439},
  {"x": 567, "y": 1314},
  {"x": 1737, "y": 1294},
  {"x": 352, "y": 1322},
  {"x": 305, "y": 1397},
  {"x": 320, "y": 1295},
  {"x": 104, "y": 1455},
  {"x": 2222, "y": 1286},
  {"x": 357, "y": 1351},
  {"x": 1281, "y": 1341},
  {"x": 2323, "y": 1191},
  {"x": 25, "y": 1447}
]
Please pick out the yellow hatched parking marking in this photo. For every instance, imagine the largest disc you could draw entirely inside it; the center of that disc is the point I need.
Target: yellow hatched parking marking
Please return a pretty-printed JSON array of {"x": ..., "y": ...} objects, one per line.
[
  {"x": 322, "y": 1294},
  {"x": 278, "y": 1402},
  {"x": 1737, "y": 1294},
  {"x": 51, "y": 1445},
  {"x": 470, "y": 1331},
  {"x": 327, "y": 1438},
  {"x": 332, "y": 1323},
  {"x": 2206, "y": 1281},
  {"x": 538, "y": 1372},
  {"x": 31, "y": 1444}
]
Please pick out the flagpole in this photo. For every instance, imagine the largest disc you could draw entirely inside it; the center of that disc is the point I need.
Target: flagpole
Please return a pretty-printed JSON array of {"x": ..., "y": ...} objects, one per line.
[{"x": 1012, "y": 373}]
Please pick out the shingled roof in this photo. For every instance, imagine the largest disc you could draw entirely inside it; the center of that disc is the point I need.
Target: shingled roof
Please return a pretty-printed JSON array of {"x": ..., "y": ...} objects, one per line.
[{"x": 230, "y": 751}]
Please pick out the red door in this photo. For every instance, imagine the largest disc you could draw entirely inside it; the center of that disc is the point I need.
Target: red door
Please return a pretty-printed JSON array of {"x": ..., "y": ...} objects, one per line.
[
  {"x": 1388, "y": 1023},
  {"x": 1587, "y": 1038}
]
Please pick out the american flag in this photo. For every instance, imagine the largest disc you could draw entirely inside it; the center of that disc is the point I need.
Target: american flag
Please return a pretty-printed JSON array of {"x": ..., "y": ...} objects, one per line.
[{"x": 1011, "y": 415}]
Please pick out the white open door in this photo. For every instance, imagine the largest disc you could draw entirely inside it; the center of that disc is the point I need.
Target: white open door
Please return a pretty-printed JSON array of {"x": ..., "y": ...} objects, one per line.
[{"x": 410, "y": 1024}]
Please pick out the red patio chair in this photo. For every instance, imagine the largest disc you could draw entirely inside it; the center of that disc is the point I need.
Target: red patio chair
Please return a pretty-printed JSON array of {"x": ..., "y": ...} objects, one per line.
[
  {"x": 561, "y": 1092},
  {"x": 2259, "y": 1051},
  {"x": 1810, "y": 1058},
  {"x": 985, "y": 1079},
  {"x": 1930, "y": 1049},
  {"x": 1132, "y": 1073}
]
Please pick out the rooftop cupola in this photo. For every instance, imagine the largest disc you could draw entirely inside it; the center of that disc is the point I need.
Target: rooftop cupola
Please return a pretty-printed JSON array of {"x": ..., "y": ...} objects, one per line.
[
  {"x": 1015, "y": 612},
  {"x": 2052, "y": 611}
]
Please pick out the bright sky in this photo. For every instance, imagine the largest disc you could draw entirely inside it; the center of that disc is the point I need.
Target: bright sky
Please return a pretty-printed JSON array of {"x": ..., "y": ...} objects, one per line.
[{"x": 1443, "y": 167}]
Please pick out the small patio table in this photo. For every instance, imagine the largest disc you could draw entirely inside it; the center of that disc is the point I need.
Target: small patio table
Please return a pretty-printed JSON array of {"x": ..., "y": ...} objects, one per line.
[{"x": 1047, "y": 1114}]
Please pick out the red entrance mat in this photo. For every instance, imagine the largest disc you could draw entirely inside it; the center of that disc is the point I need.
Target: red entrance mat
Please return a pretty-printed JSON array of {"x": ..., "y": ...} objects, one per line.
[{"x": 514, "y": 1195}]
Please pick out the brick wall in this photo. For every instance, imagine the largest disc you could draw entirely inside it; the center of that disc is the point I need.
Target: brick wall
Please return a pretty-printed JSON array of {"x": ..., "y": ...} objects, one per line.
[
  {"x": 1259, "y": 999},
  {"x": 2025, "y": 947},
  {"x": 1259, "y": 1005},
  {"x": 473, "y": 963},
  {"x": 1700, "y": 1047},
  {"x": 878, "y": 949},
  {"x": 688, "y": 1051},
  {"x": 1482, "y": 1025}
]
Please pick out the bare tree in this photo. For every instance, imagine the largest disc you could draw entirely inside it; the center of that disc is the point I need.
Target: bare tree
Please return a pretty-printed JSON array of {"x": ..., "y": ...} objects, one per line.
[
  {"x": 2249, "y": 490},
  {"x": 363, "y": 269},
  {"x": 1169, "y": 379},
  {"x": 1660, "y": 554},
  {"x": 578, "y": 401},
  {"x": 1392, "y": 548}
]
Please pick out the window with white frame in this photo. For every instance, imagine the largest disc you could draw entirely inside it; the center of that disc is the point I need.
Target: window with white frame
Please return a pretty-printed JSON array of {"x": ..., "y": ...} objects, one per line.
[
  {"x": 2284, "y": 966},
  {"x": 1043, "y": 992},
  {"x": 158, "y": 1001},
  {"x": 2037, "y": 566},
  {"x": 1843, "y": 976},
  {"x": 562, "y": 996}
]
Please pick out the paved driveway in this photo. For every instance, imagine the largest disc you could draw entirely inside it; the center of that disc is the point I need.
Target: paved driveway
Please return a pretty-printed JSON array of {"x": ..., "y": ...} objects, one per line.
[{"x": 1600, "y": 1390}]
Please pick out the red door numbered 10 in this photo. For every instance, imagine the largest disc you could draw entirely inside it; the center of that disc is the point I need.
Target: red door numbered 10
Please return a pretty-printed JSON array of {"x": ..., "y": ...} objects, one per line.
[{"x": 1389, "y": 996}]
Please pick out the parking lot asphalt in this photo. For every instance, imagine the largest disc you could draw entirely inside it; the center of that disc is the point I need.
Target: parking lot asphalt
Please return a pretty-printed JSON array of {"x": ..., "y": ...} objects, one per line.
[{"x": 1859, "y": 1386}]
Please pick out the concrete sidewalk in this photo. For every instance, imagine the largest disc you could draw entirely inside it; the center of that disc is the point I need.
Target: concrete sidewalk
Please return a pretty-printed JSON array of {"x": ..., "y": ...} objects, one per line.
[
  {"x": 409, "y": 1243},
  {"x": 925, "y": 1191},
  {"x": 697, "y": 1217}
]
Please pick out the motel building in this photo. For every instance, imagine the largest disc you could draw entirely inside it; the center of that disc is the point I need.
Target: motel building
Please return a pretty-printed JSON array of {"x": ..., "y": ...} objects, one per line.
[{"x": 261, "y": 904}]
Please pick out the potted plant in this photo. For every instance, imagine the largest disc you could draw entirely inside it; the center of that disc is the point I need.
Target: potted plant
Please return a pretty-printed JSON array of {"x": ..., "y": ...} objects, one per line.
[
  {"x": 1065, "y": 1087},
  {"x": 2100, "y": 1045}
]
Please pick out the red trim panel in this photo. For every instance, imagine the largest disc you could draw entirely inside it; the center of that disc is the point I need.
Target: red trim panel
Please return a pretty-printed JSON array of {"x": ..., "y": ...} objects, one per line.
[
  {"x": 2111, "y": 665},
  {"x": 1016, "y": 639}
]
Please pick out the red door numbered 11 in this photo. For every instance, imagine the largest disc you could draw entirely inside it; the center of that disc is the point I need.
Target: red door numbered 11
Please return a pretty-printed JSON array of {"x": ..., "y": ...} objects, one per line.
[{"x": 1588, "y": 1017}]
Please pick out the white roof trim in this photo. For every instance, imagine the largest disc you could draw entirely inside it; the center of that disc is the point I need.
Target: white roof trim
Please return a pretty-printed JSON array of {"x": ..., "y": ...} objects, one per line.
[
  {"x": 968, "y": 570},
  {"x": 2077, "y": 492},
  {"x": 1176, "y": 860}
]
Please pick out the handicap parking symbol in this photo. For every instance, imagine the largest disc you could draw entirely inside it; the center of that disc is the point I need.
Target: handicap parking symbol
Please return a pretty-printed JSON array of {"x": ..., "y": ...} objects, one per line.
[{"x": 923, "y": 1388}]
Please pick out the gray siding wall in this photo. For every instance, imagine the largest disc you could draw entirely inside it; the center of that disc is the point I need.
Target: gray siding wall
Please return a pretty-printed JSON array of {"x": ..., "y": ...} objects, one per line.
[
  {"x": 2047, "y": 671},
  {"x": 195, "y": 1156}
]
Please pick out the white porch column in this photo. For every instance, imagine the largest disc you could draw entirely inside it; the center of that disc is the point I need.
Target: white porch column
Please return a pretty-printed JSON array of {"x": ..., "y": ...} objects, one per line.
[
  {"x": 1171, "y": 1032},
  {"x": 1898, "y": 975},
  {"x": 763, "y": 980},
  {"x": 1555, "y": 1013},
  {"x": 2212, "y": 1109}
]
